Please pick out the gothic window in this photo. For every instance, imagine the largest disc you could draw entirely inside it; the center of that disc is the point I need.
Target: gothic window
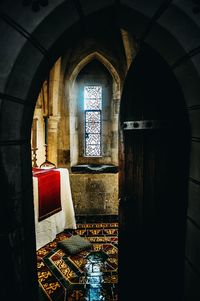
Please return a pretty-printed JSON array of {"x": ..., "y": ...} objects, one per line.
[{"x": 93, "y": 112}]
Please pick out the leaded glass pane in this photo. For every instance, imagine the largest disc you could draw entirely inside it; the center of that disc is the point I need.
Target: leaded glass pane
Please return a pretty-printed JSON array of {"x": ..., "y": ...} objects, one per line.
[
  {"x": 92, "y": 97},
  {"x": 93, "y": 139},
  {"x": 92, "y": 104},
  {"x": 92, "y": 127},
  {"x": 92, "y": 107},
  {"x": 93, "y": 150},
  {"x": 93, "y": 92},
  {"x": 93, "y": 116}
]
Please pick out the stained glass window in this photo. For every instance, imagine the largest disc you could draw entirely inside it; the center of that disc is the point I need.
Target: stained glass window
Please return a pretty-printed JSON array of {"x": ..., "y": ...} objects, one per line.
[{"x": 92, "y": 107}]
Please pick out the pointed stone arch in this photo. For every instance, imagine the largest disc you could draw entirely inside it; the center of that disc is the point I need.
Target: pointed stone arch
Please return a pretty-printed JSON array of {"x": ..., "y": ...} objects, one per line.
[
  {"x": 70, "y": 96},
  {"x": 101, "y": 58}
]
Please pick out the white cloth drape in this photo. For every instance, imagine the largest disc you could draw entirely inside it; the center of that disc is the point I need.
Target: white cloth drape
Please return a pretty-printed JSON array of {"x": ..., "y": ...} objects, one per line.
[{"x": 47, "y": 229}]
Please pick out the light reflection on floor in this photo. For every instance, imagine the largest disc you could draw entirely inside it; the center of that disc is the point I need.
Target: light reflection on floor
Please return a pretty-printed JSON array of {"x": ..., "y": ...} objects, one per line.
[
  {"x": 73, "y": 281},
  {"x": 94, "y": 278}
]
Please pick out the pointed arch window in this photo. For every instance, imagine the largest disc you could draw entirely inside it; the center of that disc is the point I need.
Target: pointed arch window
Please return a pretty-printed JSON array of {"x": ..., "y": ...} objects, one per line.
[{"x": 93, "y": 120}]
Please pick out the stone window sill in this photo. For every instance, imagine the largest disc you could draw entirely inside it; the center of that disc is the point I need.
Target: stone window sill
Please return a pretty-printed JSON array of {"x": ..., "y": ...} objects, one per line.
[{"x": 94, "y": 168}]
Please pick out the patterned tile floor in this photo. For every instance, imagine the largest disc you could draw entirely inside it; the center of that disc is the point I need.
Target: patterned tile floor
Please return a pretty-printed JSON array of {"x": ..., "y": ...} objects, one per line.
[{"x": 90, "y": 275}]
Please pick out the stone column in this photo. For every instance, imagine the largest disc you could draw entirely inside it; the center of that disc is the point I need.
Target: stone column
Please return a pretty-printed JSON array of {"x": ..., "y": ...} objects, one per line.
[
  {"x": 114, "y": 141},
  {"x": 130, "y": 47},
  {"x": 53, "y": 139},
  {"x": 54, "y": 87},
  {"x": 54, "y": 112}
]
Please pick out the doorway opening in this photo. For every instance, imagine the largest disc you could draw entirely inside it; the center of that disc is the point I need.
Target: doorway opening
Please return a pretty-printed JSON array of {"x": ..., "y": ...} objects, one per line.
[{"x": 60, "y": 136}]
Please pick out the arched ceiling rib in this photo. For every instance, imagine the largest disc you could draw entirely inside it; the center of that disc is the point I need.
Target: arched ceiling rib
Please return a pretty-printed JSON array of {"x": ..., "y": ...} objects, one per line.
[
  {"x": 21, "y": 30},
  {"x": 166, "y": 14},
  {"x": 158, "y": 13},
  {"x": 186, "y": 57},
  {"x": 175, "y": 34},
  {"x": 187, "y": 7},
  {"x": 185, "y": 31}
]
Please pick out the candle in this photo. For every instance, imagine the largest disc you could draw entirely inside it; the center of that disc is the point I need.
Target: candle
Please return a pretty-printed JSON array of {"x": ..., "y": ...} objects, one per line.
[{"x": 46, "y": 129}]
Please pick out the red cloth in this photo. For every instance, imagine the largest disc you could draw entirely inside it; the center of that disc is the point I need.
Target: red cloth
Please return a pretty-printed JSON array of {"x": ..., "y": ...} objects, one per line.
[{"x": 48, "y": 192}]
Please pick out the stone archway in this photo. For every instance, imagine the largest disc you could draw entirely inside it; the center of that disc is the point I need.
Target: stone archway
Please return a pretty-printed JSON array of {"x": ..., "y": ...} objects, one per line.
[
  {"x": 106, "y": 63},
  {"x": 31, "y": 43}
]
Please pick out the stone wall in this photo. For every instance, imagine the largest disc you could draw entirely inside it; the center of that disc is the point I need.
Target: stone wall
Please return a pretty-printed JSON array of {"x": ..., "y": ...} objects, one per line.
[{"x": 95, "y": 193}]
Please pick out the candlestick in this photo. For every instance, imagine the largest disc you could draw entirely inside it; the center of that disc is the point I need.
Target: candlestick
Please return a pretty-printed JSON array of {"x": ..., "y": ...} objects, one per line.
[
  {"x": 34, "y": 157},
  {"x": 46, "y": 163},
  {"x": 46, "y": 129}
]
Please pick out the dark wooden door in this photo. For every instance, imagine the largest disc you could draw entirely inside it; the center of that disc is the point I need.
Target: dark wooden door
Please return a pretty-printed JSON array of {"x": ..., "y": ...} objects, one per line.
[{"x": 154, "y": 156}]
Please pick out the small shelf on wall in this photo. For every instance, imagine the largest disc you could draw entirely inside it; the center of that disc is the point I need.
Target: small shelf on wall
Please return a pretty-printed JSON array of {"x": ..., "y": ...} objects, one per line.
[{"x": 94, "y": 168}]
